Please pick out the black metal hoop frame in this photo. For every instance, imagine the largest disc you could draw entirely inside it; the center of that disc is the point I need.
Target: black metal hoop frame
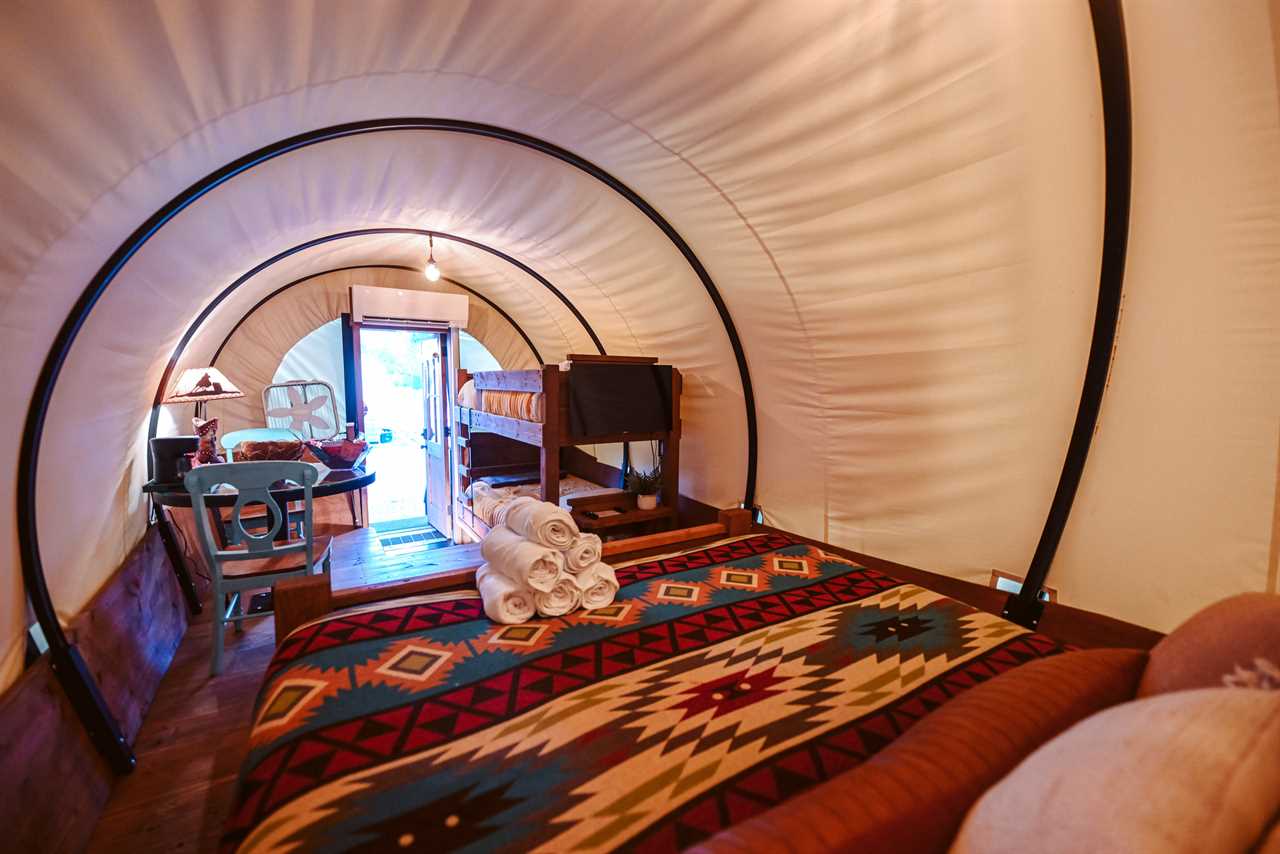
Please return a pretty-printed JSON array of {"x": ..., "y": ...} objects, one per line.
[
  {"x": 269, "y": 297},
  {"x": 67, "y": 664},
  {"x": 66, "y": 661},
  {"x": 1025, "y": 607},
  {"x": 329, "y": 238}
]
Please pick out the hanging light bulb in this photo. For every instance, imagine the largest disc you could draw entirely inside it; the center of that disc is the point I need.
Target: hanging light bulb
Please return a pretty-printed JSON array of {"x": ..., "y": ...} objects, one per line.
[{"x": 432, "y": 272}]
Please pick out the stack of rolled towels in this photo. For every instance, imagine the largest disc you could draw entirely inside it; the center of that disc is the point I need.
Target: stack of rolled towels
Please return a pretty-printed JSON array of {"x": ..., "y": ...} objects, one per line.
[{"x": 536, "y": 561}]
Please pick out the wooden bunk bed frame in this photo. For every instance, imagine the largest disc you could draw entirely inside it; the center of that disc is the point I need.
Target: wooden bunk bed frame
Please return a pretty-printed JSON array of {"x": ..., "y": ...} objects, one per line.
[
  {"x": 298, "y": 601},
  {"x": 551, "y": 435}
]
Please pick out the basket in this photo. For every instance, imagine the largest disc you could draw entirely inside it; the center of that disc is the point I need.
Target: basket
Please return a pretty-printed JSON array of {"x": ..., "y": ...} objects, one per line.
[{"x": 339, "y": 453}]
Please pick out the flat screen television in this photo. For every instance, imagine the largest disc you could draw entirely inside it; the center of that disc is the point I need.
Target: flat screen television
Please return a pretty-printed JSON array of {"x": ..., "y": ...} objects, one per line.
[{"x": 606, "y": 399}]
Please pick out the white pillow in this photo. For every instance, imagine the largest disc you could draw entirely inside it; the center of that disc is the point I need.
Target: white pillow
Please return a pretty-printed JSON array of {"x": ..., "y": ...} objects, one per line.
[
  {"x": 467, "y": 395},
  {"x": 1193, "y": 771}
]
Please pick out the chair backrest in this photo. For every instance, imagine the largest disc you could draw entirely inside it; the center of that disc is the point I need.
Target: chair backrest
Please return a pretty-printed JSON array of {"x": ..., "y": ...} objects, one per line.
[{"x": 252, "y": 482}]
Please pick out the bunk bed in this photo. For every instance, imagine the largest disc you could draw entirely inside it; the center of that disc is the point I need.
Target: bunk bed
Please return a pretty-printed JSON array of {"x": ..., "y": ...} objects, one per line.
[{"x": 523, "y": 438}]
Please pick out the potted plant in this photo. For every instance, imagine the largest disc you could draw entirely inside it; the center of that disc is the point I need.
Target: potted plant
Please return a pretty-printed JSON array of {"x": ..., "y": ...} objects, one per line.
[{"x": 644, "y": 485}]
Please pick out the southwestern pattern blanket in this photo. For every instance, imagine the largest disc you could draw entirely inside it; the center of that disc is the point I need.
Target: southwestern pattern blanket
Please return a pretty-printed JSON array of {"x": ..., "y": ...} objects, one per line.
[{"x": 720, "y": 683}]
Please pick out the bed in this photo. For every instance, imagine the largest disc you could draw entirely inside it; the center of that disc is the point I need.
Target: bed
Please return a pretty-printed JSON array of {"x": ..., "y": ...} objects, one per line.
[
  {"x": 725, "y": 679},
  {"x": 525, "y": 427}
]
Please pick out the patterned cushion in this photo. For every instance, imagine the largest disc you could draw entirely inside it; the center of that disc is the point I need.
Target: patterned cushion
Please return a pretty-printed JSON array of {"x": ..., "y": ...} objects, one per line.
[
  {"x": 913, "y": 795},
  {"x": 1188, "y": 771}
]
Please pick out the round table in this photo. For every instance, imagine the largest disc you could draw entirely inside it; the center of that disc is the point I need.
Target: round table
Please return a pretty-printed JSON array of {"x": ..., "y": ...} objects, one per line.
[{"x": 332, "y": 482}]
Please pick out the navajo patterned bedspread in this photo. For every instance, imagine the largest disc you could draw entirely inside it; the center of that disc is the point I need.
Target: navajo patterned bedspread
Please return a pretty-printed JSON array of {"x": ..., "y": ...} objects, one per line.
[{"x": 721, "y": 682}]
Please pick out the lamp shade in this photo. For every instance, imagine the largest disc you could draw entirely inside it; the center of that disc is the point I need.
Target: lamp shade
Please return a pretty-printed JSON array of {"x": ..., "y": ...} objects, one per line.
[{"x": 198, "y": 385}]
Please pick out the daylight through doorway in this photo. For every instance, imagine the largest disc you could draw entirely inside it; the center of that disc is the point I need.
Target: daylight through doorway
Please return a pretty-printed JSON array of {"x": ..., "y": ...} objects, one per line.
[{"x": 391, "y": 367}]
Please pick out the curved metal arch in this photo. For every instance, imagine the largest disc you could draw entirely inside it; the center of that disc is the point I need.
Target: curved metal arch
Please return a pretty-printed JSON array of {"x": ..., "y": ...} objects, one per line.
[
  {"x": 1025, "y": 607},
  {"x": 320, "y": 241},
  {"x": 70, "y": 668},
  {"x": 266, "y": 299}
]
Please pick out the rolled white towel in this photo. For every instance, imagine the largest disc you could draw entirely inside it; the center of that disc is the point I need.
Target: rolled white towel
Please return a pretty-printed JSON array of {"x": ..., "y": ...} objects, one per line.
[
  {"x": 582, "y": 554},
  {"x": 598, "y": 584},
  {"x": 505, "y": 601},
  {"x": 562, "y": 598},
  {"x": 500, "y": 513},
  {"x": 485, "y": 500},
  {"x": 540, "y": 521},
  {"x": 520, "y": 560}
]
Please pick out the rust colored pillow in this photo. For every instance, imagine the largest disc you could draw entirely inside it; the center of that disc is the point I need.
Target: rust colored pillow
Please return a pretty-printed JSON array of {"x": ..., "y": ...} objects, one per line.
[
  {"x": 913, "y": 795},
  {"x": 1235, "y": 642}
]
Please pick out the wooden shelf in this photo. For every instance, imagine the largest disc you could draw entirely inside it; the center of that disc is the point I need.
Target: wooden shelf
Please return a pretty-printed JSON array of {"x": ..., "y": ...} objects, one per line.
[
  {"x": 613, "y": 438},
  {"x": 630, "y": 517},
  {"x": 626, "y": 511}
]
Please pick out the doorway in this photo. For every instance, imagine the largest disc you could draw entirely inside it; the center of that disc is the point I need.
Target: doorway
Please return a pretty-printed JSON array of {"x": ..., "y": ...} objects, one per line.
[{"x": 402, "y": 391}]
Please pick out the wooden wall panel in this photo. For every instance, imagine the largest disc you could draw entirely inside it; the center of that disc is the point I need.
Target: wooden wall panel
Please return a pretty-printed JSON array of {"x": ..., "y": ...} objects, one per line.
[
  {"x": 130, "y": 631},
  {"x": 55, "y": 782},
  {"x": 127, "y": 637}
]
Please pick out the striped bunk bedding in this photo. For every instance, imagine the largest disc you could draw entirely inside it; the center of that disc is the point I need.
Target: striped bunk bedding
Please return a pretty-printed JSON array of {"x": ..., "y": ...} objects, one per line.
[
  {"x": 525, "y": 405},
  {"x": 721, "y": 682}
]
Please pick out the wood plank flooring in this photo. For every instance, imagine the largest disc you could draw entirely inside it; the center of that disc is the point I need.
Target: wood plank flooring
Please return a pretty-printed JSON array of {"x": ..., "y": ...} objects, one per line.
[{"x": 193, "y": 740}]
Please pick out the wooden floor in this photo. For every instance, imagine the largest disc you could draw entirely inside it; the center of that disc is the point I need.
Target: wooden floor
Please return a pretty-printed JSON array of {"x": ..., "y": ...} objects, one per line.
[
  {"x": 193, "y": 740},
  {"x": 192, "y": 743}
]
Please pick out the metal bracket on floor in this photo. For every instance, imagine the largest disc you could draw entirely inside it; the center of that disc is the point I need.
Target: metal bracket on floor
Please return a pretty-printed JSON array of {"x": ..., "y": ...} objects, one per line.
[
  {"x": 91, "y": 707},
  {"x": 1024, "y": 611}
]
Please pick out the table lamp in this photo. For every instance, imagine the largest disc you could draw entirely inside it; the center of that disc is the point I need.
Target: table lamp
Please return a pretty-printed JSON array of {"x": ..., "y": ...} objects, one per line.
[{"x": 201, "y": 385}]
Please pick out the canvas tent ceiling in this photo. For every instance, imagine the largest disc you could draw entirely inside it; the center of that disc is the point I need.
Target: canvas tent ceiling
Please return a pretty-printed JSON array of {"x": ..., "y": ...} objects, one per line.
[{"x": 900, "y": 202}]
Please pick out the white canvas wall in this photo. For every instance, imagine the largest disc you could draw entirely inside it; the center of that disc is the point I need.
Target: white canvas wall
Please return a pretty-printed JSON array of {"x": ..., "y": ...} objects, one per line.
[
  {"x": 318, "y": 356},
  {"x": 900, "y": 203},
  {"x": 1179, "y": 503}
]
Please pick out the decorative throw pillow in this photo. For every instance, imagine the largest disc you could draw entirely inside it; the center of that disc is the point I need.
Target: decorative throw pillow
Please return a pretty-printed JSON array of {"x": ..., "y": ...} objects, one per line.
[
  {"x": 1186, "y": 771},
  {"x": 207, "y": 441},
  {"x": 1234, "y": 643}
]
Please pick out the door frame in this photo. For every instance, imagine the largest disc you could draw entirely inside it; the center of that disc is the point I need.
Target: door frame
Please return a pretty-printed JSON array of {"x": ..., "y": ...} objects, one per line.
[
  {"x": 445, "y": 440},
  {"x": 449, "y": 356}
]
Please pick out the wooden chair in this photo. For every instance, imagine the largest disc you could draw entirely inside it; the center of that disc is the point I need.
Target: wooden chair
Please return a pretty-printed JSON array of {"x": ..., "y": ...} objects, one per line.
[{"x": 254, "y": 558}]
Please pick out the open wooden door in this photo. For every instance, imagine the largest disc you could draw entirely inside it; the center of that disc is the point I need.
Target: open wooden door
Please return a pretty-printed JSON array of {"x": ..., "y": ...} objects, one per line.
[{"x": 435, "y": 435}]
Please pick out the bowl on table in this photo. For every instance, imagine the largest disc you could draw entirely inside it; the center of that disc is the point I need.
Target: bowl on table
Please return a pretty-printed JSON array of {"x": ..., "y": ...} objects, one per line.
[{"x": 339, "y": 453}]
